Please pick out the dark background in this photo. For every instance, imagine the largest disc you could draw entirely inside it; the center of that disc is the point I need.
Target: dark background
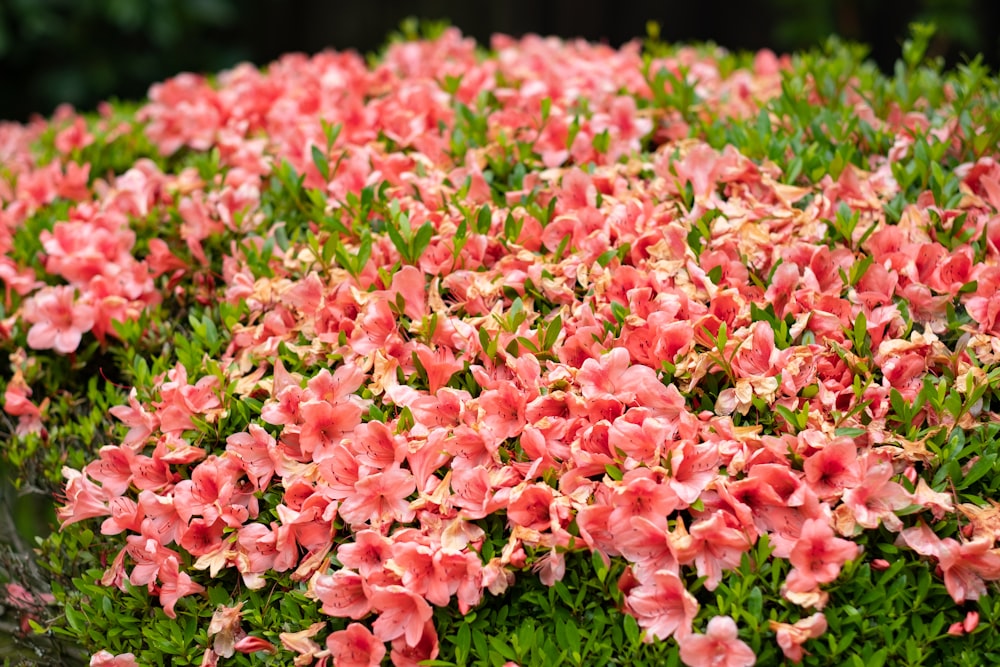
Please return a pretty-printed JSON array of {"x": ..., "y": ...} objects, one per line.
[{"x": 83, "y": 51}]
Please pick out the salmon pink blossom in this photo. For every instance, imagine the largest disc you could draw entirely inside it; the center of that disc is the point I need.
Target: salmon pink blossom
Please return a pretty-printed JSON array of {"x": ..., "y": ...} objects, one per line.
[
  {"x": 175, "y": 585},
  {"x": 791, "y": 637},
  {"x": 404, "y": 655},
  {"x": 355, "y": 646},
  {"x": 343, "y": 593},
  {"x": 663, "y": 606},
  {"x": 57, "y": 320},
  {"x": 106, "y": 659},
  {"x": 402, "y": 613},
  {"x": 818, "y": 555},
  {"x": 380, "y": 498},
  {"x": 720, "y": 646}
]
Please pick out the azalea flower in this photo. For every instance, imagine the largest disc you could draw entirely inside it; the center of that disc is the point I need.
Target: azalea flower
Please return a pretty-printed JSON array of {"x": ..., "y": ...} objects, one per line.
[
  {"x": 791, "y": 636},
  {"x": 380, "y": 498},
  {"x": 965, "y": 565},
  {"x": 57, "y": 321},
  {"x": 402, "y": 613},
  {"x": 343, "y": 593},
  {"x": 876, "y": 498},
  {"x": 717, "y": 545},
  {"x": 17, "y": 403},
  {"x": 833, "y": 468},
  {"x": 107, "y": 659},
  {"x": 225, "y": 626},
  {"x": 302, "y": 643},
  {"x": 404, "y": 655},
  {"x": 84, "y": 499},
  {"x": 818, "y": 555},
  {"x": 256, "y": 452},
  {"x": 174, "y": 585},
  {"x": 368, "y": 553},
  {"x": 720, "y": 646},
  {"x": 355, "y": 646},
  {"x": 662, "y": 606}
]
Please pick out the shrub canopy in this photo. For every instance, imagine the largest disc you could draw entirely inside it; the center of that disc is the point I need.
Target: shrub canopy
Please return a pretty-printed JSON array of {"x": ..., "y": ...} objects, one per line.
[{"x": 552, "y": 353}]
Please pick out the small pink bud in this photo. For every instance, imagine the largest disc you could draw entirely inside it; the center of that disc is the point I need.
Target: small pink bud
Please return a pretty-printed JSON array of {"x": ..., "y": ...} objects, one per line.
[
  {"x": 880, "y": 564},
  {"x": 971, "y": 621},
  {"x": 956, "y": 630}
]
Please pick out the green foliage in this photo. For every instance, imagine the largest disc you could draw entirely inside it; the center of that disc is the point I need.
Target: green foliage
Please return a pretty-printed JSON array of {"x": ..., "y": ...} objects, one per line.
[
  {"x": 107, "y": 47},
  {"x": 887, "y": 607}
]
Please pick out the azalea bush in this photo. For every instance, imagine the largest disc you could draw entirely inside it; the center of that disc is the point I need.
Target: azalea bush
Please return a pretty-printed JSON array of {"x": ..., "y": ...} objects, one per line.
[{"x": 547, "y": 353}]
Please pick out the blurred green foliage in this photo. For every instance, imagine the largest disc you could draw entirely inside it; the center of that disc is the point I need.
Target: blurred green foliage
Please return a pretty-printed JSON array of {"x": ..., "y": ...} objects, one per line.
[
  {"x": 960, "y": 25},
  {"x": 82, "y": 51}
]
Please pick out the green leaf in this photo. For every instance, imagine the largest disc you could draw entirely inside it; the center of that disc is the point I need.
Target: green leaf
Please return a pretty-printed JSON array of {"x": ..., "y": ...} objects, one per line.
[
  {"x": 463, "y": 643},
  {"x": 484, "y": 220},
  {"x": 321, "y": 162},
  {"x": 421, "y": 240},
  {"x": 552, "y": 332}
]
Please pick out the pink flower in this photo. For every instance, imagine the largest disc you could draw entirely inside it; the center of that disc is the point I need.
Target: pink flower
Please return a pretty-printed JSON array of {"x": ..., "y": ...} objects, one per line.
[
  {"x": 367, "y": 554},
  {"x": 971, "y": 621},
  {"x": 833, "y": 468},
  {"x": 84, "y": 499},
  {"x": 125, "y": 515},
  {"x": 106, "y": 659},
  {"x": 251, "y": 644},
  {"x": 720, "y": 646},
  {"x": 402, "y": 613},
  {"x": 375, "y": 445},
  {"x": 256, "y": 452},
  {"x": 640, "y": 436},
  {"x": 225, "y": 628},
  {"x": 502, "y": 411},
  {"x": 17, "y": 403},
  {"x": 175, "y": 585},
  {"x": 355, "y": 646},
  {"x": 380, "y": 498},
  {"x": 877, "y": 498},
  {"x": 301, "y": 642},
  {"x": 662, "y": 606},
  {"x": 818, "y": 555},
  {"x": 163, "y": 522},
  {"x": 410, "y": 284},
  {"x": 112, "y": 469},
  {"x": 325, "y": 423},
  {"x": 343, "y": 593},
  {"x": 791, "y": 636},
  {"x": 440, "y": 364},
  {"x": 641, "y": 493},
  {"x": 605, "y": 377},
  {"x": 74, "y": 137},
  {"x": 530, "y": 506},
  {"x": 149, "y": 557},
  {"x": 140, "y": 422},
  {"x": 404, "y": 655},
  {"x": 57, "y": 322},
  {"x": 717, "y": 545},
  {"x": 965, "y": 564}
]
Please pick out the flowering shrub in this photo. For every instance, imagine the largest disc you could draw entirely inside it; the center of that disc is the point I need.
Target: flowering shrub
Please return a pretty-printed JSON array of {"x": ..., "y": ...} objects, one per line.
[{"x": 549, "y": 354}]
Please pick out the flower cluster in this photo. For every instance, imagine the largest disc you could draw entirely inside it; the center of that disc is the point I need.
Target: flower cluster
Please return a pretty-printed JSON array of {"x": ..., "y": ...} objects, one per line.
[{"x": 448, "y": 289}]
